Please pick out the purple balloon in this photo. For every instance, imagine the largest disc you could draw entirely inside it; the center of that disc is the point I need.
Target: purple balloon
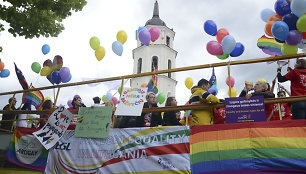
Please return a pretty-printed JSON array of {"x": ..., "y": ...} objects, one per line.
[
  {"x": 214, "y": 48},
  {"x": 155, "y": 32},
  {"x": 145, "y": 37},
  {"x": 294, "y": 37},
  {"x": 67, "y": 80},
  {"x": 64, "y": 72},
  {"x": 69, "y": 103}
]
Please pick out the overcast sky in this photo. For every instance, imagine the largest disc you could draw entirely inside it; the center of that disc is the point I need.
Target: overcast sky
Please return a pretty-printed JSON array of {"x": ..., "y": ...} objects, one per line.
[{"x": 105, "y": 18}]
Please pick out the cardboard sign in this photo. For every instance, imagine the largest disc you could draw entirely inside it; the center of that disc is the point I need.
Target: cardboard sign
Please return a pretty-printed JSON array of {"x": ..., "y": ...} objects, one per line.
[
  {"x": 55, "y": 128},
  {"x": 94, "y": 122},
  {"x": 240, "y": 110},
  {"x": 131, "y": 102}
]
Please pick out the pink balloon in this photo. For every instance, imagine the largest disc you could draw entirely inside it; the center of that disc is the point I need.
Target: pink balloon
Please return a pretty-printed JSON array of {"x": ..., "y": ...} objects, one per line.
[
  {"x": 69, "y": 103},
  {"x": 114, "y": 100},
  {"x": 232, "y": 81},
  {"x": 155, "y": 32},
  {"x": 214, "y": 48}
]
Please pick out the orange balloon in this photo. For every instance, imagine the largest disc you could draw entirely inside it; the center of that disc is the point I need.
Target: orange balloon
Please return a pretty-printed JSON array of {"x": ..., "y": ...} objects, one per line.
[
  {"x": 268, "y": 28},
  {"x": 275, "y": 17},
  {"x": 1, "y": 65},
  {"x": 221, "y": 33},
  {"x": 144, "y": 85}
]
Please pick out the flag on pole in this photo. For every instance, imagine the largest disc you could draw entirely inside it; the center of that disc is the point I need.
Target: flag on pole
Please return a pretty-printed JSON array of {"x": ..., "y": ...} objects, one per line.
[
  {"x": 21, "y": 78},
  {"x": 213, "y": 78},
  {"x": 35, "y": 98},
  {"x": 248, "y": 85},
  {"x": 152, "y": 85}
]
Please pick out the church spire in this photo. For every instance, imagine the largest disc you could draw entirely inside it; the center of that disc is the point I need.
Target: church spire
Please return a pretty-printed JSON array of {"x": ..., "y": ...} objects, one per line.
[{"x": 156, "y": 10}]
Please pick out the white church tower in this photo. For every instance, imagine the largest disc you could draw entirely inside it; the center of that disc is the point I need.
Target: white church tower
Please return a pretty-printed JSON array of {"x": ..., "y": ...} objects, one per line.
[{"x": 160, "y": 54}]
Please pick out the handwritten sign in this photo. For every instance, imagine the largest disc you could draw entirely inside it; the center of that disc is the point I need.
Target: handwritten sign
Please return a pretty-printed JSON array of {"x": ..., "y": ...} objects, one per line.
[
  {"x": 240, "y": 110},
  {"x": 131, "y": 102},
  {"x": 55, "y": 128},
  {"x": 94, "y": 122}
]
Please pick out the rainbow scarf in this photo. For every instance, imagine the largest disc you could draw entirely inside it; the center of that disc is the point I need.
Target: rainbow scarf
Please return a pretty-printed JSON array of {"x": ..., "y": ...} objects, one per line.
[
  {"x": 265, "y": 147},
  {"x": 26, "y": 151}
]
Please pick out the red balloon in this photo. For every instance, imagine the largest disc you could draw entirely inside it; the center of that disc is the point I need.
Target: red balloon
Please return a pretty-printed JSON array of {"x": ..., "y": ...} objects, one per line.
[
  {"x": 221, "y": 33},
  {"x": 144, "y": 85},
  {"x": 48, "y": 62},
  {"x": 275, "y": 17}
]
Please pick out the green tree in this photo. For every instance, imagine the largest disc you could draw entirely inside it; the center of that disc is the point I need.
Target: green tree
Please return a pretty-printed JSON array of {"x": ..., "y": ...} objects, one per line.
[{"x": 35, "y": 18}]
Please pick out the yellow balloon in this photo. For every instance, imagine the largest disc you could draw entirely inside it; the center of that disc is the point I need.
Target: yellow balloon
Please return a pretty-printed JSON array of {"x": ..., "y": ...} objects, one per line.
[
  {"x": 188, "y": 82},
  {"x": 152, "y": 43},
  {"x": 45, "y": 71},
  {"x": 233, "y": 92},
  {"x": 121, "y": 36},
  {"x": 261, "y": 80},
  {"x": 100, "y": 53}
]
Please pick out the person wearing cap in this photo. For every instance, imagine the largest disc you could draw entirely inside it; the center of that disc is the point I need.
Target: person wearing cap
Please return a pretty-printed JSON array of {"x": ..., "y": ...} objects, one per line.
[
  {"x": 201, "y": 95},
  {"x": 97, "y": 101},
  {"x": 297, "y": 76},
  {"x": 77, "y": 102}
]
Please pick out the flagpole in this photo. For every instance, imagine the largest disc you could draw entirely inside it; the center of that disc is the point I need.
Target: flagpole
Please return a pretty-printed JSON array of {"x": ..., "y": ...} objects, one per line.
[
  {"x": 229, "y": 79},
  {"x": 278, "y": 105}
]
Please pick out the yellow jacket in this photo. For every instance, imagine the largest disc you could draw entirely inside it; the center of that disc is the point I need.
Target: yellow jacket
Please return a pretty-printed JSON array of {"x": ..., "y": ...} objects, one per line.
[{"x": 204, "y": 116}]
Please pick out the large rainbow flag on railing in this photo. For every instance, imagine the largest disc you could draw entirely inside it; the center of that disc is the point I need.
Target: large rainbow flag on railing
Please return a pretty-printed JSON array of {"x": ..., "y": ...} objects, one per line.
[
  {"x": 26, "y": 151},
  {"x": 248, "y": 148}
]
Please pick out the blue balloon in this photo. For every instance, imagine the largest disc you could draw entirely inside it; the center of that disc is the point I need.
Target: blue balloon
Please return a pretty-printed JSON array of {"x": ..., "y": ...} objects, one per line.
[
  {"x": 4, "y": 73},
  {"x": 266, "y": 13},
  {"x": 56, "y": 77},
  {"x": 228, "y": 44},
  {"x": 298, "y": 7},
  {"x": 68, "y": 79},
  {"x": 238, "y": 50},
  {"x": 108, "y": 96},
  {"x": 140, "y": 28},
  {"x": 213, "y": 90},
  {"x": 282, "y": 7},
  {"x": 290, "y": 20},
  {"x": 280, "y": 30},
  {"x": 117, "y": 48},
  {"x": 210, "y": 27},
  {"x": 45, "y": 49}
]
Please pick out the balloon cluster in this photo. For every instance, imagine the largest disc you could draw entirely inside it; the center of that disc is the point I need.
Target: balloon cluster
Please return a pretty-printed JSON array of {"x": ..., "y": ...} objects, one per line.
[
  {"x": 287, "y": 26},
  {"x": 146, "y": 36},
  {"x": 3, "y": 72},
  {"x": 233, "y": 90},
  {"x": 54, "y": 71},
  {"x": 109, "y": 97},
  {"x": 117, "y": 46},
  {"x": 94, "y": 43},
  {"x": 225, "y": 45}
]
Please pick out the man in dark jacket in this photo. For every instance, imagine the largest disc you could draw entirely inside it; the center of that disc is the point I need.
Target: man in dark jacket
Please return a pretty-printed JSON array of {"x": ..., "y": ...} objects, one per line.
[
  {"x": 7, "y": 125},
  {"x": 149, "y": 119}
]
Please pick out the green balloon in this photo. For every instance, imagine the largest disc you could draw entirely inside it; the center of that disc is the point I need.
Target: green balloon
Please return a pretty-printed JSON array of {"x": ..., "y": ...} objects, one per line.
[
  {"x": 301, "y": 24},
  {"x": 224, "y": 56},
  {"x": 104, "y": 99},
  {"x": 119, "y": 90},
  {"x": 94, "y": 42},
  {"x": 36, "y": 67},
  {"x": 289, "y": 49},
  {"x": 161, "y": 97}
]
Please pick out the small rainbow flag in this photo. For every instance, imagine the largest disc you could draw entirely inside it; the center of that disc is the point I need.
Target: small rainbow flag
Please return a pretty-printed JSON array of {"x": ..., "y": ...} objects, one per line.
[
  {"x": 248, "y": 85},
  {"x": 80, "y": 119},
  {"x": 35, "y": 98},
  {"x": 255, "y": 147},
  {"x": 152, "y": 87},
  {"x": 26, "y": 151}
]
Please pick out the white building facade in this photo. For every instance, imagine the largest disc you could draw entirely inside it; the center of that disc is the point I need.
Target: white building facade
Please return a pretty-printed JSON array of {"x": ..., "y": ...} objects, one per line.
[{"x": 160, "y": 54}]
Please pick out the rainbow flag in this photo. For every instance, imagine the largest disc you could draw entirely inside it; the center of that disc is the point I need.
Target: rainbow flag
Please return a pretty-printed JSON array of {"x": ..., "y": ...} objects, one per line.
[
  {"x": 257, "y": 147},
  {"x": 35, "y": 98},
  {"x": 270, "y": 46},
  {"x": 152, "y": 87},
  {"x": 26, "y": 151}
]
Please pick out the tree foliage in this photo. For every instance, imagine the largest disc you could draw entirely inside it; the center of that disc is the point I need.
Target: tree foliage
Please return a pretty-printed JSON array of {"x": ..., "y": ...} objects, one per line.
[{"x": 35, "y": 18}]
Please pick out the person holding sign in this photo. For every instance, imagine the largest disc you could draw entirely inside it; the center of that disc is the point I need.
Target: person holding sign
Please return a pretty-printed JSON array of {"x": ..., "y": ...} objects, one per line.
[
  {"x": 201, "y": 95},
  {"x": 298, "y": 87},
  {"x": 260, "y": 88},
  {"x": 149, "y": 119}
]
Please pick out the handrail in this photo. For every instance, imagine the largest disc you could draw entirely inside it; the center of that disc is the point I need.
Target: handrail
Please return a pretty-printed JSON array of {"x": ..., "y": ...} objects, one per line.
[
  {"x": 237, "y": 62},
  {"x": 172, "y": 108}
]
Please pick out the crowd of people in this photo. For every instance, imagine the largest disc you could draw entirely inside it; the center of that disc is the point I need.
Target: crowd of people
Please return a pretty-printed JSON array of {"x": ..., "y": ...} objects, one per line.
[{"x": 199, "y": 95}]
